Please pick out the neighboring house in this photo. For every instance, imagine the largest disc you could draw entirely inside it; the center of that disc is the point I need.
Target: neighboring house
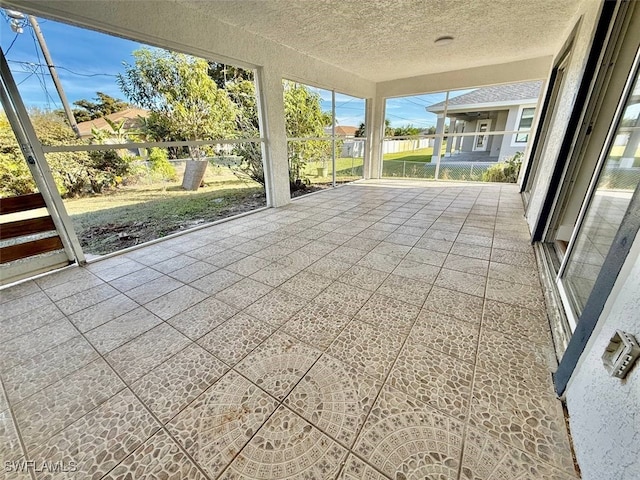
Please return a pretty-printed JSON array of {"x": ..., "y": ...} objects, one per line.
[
  {"x": 346, "y": 131},
  {"x": 131, "y": 116},
  {"x": 495, "y": 108}
]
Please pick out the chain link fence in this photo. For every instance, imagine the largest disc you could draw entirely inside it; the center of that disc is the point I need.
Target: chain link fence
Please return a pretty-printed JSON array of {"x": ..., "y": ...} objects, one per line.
[{"x": 461, "y": 171}]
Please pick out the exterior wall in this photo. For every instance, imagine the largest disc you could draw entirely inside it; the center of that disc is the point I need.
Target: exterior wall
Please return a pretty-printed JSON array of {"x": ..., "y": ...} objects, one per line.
[
  {"x": 589, "y": 16},
  {"x": 497, "y": 144},
  {"x": 506, "y": 150},
  {"x": 605, "y": 411},
  {"x": 467, "y": 142}
]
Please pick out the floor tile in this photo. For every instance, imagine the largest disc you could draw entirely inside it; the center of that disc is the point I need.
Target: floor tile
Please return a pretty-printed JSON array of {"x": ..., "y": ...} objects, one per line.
[
  {"x": 235, "y": 338},
  {"x": 12, "y": 327},
  {"x": 347, "y": 298},
  {"x": 486, "y": 458},
  {"x": 72, "y": 287},
  {"x": 24, "y": 304},
  {"x": 510, "y": 356},
  {"x": 153, "y": 289},
  {"x": 530, "y": 325},
  {"x": 137, "y": 357},
  {"x": 46, "y": 412},
  {"x": 523, "y": 417},
  {"x": 135, "y": 279},
  {"x": 526, "y": 296},
  {"x": 276, "y": 307},
  {"x": 47, "y": 368},
  {"x": 472, "y": 251},
  {"x": 404, "y": 438},
  {"x": 356, "y": 469},
  {"x": 287, "y": 447},
  {"x": 317, "y": 324},
  {"x": 215, "y": 427},
  {"x": 174, "y": 263},
  {"x": 306, "y": 285},
  {"x": 461, "y": 282},
  {"x": 457, "y": 304},
  {"x": 278, "y": 364},
  {"x": 100, "y": 439},
  {"x": 441, "y": 381},
  {"x": 522, "y": 259},
  {"x": 274, "y": 274},
  {"x": 10, "y": 448},
  {"x": 248, "y": 265},
  {"x": 346, "y": 254},
  {"x": 172, "y": 385},
  {"x": 428, "y": 256},
  {"x": 117, "y": 332},
  {"x": 446, "y": 334},
  {"x": 159, "y": 457},
  {"x": 22, "y": 348},
  {"x": 203, "y": 317},
  {"x": 379, "y": 262},
  {"x": 111, "y": 271},
  {"x": 193, "y": 272},
  {"x": 405, "y": 289},
  {"x": 417, "y": 271},
  {"x": 102, "y": 312},
  {"x": 362, "y": 277},
  {"x": 514, "y": 273},
  {"x": 175, "y": 302},
  {"x": 475, "y": 266},
  {"x": 334, "y": 397},
  {"x": 329, "y": 267},
  {"x": 389, "y": 313},
  {"x": 18, "y": 291},
  {"x": 217, "y": 281},
  {"x": 370, "y": 348},
  {"x": 243, "y": 293}
]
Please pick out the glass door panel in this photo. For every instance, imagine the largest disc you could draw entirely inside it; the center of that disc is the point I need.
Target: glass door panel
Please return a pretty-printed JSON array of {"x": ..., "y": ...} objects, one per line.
[{"x": 617, "y": 180}]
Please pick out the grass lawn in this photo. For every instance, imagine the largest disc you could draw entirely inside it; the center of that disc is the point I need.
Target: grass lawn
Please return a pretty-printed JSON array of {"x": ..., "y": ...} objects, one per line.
[
  {"x": 139, "y": 213},
  {"x": 419, "y": 155}
]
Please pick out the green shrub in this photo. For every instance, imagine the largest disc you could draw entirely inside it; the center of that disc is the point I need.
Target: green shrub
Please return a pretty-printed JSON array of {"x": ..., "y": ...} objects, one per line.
[
  {"x": 161, "y": 166},
  {"x": 505, "y": 172}
]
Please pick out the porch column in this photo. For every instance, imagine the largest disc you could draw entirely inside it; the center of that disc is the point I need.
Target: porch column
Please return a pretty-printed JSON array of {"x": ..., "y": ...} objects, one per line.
[
  {"x": 272, "y": 128},
  {"x": 437, "y": 144},
  {"x": 453, "y": 124},
  {"x": 374, "y": 120}
]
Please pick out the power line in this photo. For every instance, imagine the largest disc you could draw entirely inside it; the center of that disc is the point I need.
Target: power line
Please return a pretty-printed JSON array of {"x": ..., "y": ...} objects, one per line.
[
  {"x": 67, "y": 69},
  {"x": 13, "y": 41}
]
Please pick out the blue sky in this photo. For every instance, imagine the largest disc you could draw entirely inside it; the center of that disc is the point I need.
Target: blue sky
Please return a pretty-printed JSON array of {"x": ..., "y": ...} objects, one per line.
[{"x": 87, "y": 62}]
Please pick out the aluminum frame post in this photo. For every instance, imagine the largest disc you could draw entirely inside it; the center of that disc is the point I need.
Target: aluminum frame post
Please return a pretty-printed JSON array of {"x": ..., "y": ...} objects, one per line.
[{"x": 37, "y": 162}]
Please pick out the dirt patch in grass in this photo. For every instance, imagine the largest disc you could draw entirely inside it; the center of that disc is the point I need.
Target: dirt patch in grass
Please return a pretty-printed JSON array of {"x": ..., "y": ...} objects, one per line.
[{"x": 131, "y": 216}]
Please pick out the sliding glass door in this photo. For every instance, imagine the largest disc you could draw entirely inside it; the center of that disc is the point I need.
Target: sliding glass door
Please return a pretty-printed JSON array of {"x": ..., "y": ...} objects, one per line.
[{"x": 608, "y": 198}]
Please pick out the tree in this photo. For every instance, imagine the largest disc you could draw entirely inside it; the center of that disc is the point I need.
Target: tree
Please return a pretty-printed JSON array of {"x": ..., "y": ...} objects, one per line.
[
  {"x": 388, "y": 129},
  {"x": 104, "y": 105},
  {"x": 361, "y": 131},
  {"x": 224, "y": 74},
  {"x": 184, "y": 101},
  {"x": 406, "y": 131},
  {"x": 304, "y": 118}
]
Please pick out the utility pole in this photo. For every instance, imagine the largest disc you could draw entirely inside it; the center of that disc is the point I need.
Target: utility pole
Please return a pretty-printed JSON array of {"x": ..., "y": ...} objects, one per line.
[{"x": 54, "y": 74}]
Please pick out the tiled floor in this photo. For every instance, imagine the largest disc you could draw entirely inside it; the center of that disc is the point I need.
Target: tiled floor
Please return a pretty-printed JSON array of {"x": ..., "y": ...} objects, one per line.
[{"x": 379, "y": 330}]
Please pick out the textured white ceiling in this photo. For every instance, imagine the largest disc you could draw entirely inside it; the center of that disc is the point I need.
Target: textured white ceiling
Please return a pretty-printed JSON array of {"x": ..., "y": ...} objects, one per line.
[{"x": 388, "y": 39}]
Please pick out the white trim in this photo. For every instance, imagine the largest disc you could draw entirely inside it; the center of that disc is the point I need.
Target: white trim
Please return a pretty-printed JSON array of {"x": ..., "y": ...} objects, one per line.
[
  {"x": 516, "y": 126},
  {"x": 566, "y": 303},
  {"x": 484, "y": 106},
  {"x": 475, "y": 148}
]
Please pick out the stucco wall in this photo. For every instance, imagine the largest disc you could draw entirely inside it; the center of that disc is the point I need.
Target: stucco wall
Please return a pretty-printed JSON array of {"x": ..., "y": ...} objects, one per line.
[
  {"x": 605, "y": 411},
  {"x": 589, "y": 16}
]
